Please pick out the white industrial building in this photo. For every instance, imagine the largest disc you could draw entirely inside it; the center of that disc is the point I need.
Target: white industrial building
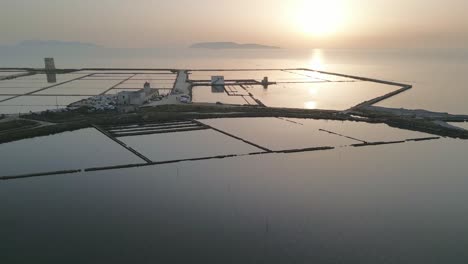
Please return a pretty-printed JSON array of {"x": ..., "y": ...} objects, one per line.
[{"x": 136, "y": 97}]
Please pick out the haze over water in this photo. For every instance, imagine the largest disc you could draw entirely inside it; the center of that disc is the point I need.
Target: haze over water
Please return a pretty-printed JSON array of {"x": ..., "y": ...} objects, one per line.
[
  {"x": 437, "y": 75},
  {"x": 396, "y": 203}
]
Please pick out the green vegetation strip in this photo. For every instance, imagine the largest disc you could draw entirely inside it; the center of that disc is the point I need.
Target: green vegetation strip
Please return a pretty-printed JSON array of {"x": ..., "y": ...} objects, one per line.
[
  {"x": 163, "y": 115},
  {"x": 16, "y": 124}
]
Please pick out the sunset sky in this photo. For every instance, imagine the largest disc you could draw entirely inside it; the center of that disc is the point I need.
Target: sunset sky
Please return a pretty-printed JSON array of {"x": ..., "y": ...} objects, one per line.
[{"x": 292, "y": 23}]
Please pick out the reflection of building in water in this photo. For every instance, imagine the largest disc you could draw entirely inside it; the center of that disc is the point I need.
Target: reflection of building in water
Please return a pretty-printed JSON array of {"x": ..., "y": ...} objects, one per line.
[
  {"x": 51, "y": 77},
  {"x": 217, "y": 84},
  {"x": 50, "y": 70},
  {"x": 136, "y": 97},
  {"x": 265, "y": 82}
]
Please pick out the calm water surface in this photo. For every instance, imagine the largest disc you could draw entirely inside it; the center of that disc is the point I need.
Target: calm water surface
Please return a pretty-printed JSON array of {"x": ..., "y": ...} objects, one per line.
[
  {"x": 402, "y": 203},
  {"x": 67, "y": 151}
]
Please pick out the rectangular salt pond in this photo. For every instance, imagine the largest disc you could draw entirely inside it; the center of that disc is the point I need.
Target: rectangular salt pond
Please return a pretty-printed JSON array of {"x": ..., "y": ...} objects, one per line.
[
  {"x": 16, "y": 91},
  {"x": 70, "y": 150},
  {"x": 140, "y": 84},
  {"x": 277, "y": 134},
  {"x": 203, "y": 94},
  {"x": 123, "y": 72},
  {"x": 43, "y": 78},
  {"x": 154, "y": 77},
  {"x": 363, "y": 131},
  {"x": 112, "y": 76},
  {"x": 26, "y": 84},
  {"x": 38, "y": 81},
  {"x": 2, "y": 97},
  {"x": 187, "y": 145},
  {"x": 81, "y": 87},
  {"x": 322, "y": 76},
  {"x": 277, "y": 206},
  {"x": 327, "y": 96},
  {"x": 236, "y": 90},
  {"x": 273, "y": 76},
  {"x": 25, "y": 104},
  {"x": 142, "y": 81},
  {"x": 10, "y": 73},
  {"x": 104, "y": 79}
]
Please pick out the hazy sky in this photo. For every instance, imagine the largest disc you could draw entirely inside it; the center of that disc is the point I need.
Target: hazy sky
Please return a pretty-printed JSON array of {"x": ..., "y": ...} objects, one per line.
[{"x": 286, "y": 23}]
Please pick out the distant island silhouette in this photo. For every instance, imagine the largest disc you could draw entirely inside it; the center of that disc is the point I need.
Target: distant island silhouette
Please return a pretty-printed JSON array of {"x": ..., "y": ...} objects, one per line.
[
  {"x": 54, "y": 43},
  {"x": 229, "y": 45}
]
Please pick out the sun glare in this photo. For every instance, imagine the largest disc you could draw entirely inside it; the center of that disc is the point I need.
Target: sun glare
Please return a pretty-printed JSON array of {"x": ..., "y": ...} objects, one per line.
[
  {"x": 317, "y": 60},
  {"x": 320, "y": 17},
  {"x": 310, "y": 105}
]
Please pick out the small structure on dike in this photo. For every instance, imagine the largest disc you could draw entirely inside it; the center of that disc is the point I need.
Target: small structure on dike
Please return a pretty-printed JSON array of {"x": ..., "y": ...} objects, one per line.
[{"x": 217, "y": 84}]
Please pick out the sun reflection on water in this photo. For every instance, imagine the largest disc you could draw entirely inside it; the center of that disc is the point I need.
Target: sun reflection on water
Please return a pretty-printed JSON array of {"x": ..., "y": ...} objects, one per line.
[
  {"x": 313, "y": 91},
  {"x": 310, "y": 105},
  {"x": 317, "y": 60}
]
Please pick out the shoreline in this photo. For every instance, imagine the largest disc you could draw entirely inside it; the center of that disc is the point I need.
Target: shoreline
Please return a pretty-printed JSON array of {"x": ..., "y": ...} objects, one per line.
[
  {"x": 53, "y": 123},
  {"x": 170, "y": 109}
]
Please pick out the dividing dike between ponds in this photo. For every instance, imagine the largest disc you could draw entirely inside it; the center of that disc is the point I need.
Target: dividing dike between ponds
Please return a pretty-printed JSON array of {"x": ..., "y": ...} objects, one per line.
[
  {"x": 45, "y": 88},
  {"x": 404, "y": 87},
  {"x": 337, "y": 134},
  {"x": 136, "y": 165},
  {"x": 209, "y": 158},
  {"x": 235, "y": 137},
  {"x": 394, "y": 142},
  {"x": 122, "y": 144},
  {"x": 33, "y": 175},
  {"x": 381, "y": 98},
  {"x": 121, "y": 82},
  {"x": 161, "y": 128},
  {"x": 14, "y": 76}
]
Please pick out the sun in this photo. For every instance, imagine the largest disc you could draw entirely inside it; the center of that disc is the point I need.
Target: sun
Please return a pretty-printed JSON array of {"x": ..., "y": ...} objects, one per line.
[{"x": 319, "y": 17}]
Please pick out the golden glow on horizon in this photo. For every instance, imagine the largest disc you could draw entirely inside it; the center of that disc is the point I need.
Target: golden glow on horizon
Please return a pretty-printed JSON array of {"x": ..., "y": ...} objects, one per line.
[{"x": 320, "y": 18}]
